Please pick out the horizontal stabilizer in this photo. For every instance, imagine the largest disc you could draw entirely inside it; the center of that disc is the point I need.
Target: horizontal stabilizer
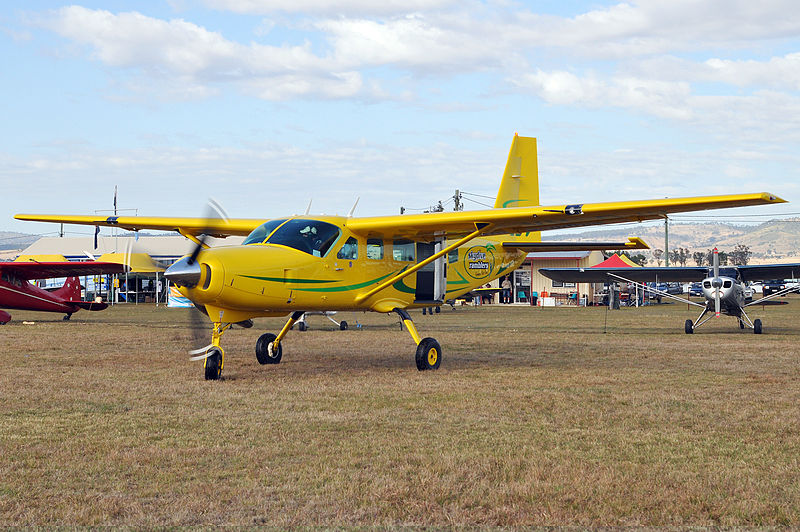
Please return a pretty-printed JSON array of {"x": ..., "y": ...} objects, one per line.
[
  {"x": 605, "y": 275},
  {"x": 632, "y": 243},
  {"x": 89, "y": 305}
]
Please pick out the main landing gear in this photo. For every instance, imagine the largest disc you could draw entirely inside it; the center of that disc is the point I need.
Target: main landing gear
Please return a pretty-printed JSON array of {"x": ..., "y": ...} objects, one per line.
[
  {"x": 270, "y": 351},
  {"x": 429, "y": 352},
  {"x": 743, "y": 320},
  {"x": 268, "y": 346}
]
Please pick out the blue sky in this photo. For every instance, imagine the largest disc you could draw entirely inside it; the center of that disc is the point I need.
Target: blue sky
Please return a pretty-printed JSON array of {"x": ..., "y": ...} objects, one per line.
[{"x": 267, "y": 104}]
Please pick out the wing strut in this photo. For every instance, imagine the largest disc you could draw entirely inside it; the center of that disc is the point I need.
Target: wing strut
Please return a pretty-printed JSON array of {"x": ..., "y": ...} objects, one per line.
[
  {"x": 480, "y": 227},
  {"x": 656, "y": 291}
]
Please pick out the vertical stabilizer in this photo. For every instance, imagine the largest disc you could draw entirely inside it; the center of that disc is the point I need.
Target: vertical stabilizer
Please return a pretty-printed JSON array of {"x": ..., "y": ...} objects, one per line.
[
  {"x": 520, "y": 184},
  {"x": 71, "y": 291}
]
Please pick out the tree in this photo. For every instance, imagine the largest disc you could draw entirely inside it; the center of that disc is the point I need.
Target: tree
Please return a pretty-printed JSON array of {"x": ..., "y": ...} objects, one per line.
[
  {"x": 657, "y": 254},
  {"x": 674, "y": 257},
  {"x": 639, "y": 258},
  {"x": 699, "y": 258},
  {"x": 683, "y": 256},
  {"x": 740, "y": 255}
]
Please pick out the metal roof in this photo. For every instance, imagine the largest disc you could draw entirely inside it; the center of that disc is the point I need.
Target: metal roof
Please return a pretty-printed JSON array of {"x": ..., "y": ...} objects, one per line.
[{"x": 170, "y": 247}]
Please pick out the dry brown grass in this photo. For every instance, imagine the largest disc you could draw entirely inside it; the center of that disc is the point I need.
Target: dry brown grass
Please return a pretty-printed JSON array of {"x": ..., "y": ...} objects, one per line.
[{"x": 537, "y": 417}]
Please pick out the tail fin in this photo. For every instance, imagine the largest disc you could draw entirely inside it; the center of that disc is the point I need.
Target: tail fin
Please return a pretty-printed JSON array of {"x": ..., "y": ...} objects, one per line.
[
  {"x": 520, "y": 184},
  {"x": 71, "y": 291}
]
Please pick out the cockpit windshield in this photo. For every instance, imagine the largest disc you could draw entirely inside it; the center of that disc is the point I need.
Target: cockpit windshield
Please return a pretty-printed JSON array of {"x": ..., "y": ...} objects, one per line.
[
  {"x": 310, "y": 236},
  {"x": 261, "y": 232}
]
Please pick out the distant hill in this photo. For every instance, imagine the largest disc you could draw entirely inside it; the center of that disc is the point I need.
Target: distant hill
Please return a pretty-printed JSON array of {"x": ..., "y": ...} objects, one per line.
[
  {"x": 773, "y": 241},
  {"x": 11, "y": 240}
]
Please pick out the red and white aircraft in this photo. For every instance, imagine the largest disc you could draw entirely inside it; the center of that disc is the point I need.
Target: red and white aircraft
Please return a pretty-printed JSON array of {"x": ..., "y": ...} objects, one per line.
[{"x": 16, "y": 292}]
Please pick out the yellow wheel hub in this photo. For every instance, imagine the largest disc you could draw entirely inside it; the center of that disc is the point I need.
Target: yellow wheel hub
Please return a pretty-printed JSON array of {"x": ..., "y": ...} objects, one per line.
[{"x": 433, "y": 356}]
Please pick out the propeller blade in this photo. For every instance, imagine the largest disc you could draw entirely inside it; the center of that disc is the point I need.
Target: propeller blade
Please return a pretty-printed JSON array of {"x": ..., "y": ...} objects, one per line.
[
  {"x": 716, "y": 263},
  {"x": 716, "y": 302}
]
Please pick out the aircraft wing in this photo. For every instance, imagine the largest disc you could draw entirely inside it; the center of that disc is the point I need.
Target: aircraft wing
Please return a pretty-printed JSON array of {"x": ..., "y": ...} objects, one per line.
[
  {"x": 50, "y": 270},
  {"x": 542, "y": 218},
  {"x": 763, "y": 272},
  {"x": 452, "y": 224},
  {"x": 642, "y": 275},
  {"x": 215, "y": 226}
]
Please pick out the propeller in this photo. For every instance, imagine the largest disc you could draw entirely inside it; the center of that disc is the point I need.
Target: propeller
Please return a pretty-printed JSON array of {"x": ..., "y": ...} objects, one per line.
[
  {"x": 186, "y": 273},
  {"x": 716, "y": 283}
]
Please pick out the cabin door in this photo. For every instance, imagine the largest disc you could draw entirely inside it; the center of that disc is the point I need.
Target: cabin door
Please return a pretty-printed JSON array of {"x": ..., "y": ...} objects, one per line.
[{"x": 431, "y": 278}]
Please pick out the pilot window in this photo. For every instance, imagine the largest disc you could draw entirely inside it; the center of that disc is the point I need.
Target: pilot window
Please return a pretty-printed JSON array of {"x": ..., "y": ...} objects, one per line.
[
  {"x": 374, "y": 248},
  {"x": 726, "y": 284},
  {"x": 706, "y": 284},
  {"x": 309, "y": 236},
  {"x": 403, "y": 250},
  {"x": 349, "y": 250},
  {"x": 260, "y": 233}
]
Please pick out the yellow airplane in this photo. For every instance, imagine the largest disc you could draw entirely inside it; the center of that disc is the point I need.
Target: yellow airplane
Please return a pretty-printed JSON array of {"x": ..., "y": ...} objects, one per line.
[{"x": 384, "y": 264}]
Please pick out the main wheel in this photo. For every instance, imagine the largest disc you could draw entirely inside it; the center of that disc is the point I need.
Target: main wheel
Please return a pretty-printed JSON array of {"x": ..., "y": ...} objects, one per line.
[
  {"x": 66, "y": 317},
  {"x": 429, "y": 354},
  {"x": 741, "y": 324},
  {"x": 266, "y": 352},
  {"x": 757, "y": 326},
  {"x": 688, "y": 327},
  {"x": 302, "y": 326},
  {"x": 342, "y": 325},
  {"x": 213, "y": 364}
]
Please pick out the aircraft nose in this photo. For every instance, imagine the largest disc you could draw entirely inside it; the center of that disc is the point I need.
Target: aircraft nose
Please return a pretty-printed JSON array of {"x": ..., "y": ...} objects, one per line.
[{"x": 184, "y": 273}]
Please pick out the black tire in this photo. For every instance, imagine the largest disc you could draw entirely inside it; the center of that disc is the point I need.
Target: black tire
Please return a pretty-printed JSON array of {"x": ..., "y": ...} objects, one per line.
[
  {"x": 342, "y": 325},
  {"x": 688, "y": 327},
  {"x": 213, "y": 364},
  {"x": 66, "y": 317},
  {"x": 741, "y": 324},
  {"x": 302, "y": 326},
  {"x": 757, "y": 327},
  {"x": 437, "y": 310},
  {"x": 262, "y": 349},
  {"x": 429, "y": 354}
]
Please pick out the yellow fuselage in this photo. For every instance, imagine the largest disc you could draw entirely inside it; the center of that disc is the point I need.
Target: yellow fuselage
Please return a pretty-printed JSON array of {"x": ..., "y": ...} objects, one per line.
[{"x": 264, "y": 279}]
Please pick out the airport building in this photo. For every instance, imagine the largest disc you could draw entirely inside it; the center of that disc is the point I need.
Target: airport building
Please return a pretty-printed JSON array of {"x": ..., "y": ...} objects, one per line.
[{"x": 529, "y": 286}]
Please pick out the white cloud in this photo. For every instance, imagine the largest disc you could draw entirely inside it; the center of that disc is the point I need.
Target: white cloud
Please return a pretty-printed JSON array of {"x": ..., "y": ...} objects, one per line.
[
  {"x": 326, "y": 7},
  {"x": 193, "y": 56},
  {"x": 660, "y": 98}
]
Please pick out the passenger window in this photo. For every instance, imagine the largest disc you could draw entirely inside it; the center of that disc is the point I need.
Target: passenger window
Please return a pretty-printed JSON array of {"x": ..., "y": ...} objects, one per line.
[
  {"x": 374, "y": 248},
  {"x": 349, "y": 251},
  {"x": 403, "y": 250},
  {"x": 452, "y": 256}
]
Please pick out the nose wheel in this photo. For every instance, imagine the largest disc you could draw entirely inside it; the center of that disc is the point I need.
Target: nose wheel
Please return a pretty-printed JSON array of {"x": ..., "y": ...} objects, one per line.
[{"x": 213, "y": 364}]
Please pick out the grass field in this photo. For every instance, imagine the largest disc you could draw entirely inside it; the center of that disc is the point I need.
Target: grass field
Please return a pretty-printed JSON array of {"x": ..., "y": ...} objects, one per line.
[{"x": 536, "y": 417}]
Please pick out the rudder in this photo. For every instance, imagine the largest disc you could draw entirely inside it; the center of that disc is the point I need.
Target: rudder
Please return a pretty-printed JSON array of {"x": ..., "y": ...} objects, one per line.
[
  {"x": 520, "y": 184},
  {"x": 70, "y": 291}
]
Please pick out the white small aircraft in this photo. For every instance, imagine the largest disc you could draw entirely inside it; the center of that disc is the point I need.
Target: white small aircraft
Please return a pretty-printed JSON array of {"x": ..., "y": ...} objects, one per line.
[{"x": 723, "y": 288}]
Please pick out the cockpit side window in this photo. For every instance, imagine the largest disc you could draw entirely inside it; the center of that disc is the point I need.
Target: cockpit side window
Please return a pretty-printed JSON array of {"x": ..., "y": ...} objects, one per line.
[
  {"x": 403, "y": 250},
  {"x": 309, "y": 236},
  {"x": 260, "y": 233},
  {"x": 374, "y": 248},
  {"x": 349, "y": 250},
  {"x": 726, "y": 284}
]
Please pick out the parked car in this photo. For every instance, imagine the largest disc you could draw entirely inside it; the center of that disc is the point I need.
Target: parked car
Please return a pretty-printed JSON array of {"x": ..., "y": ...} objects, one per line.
[
  {"x": 696, "y": 290},
  {"x": 775, "y": 285}
]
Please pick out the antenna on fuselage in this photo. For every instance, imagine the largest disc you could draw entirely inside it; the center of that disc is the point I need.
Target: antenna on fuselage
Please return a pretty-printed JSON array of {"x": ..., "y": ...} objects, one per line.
[
  {"x": 350, "y": 214},
  {"x": 308, "y": 209}
]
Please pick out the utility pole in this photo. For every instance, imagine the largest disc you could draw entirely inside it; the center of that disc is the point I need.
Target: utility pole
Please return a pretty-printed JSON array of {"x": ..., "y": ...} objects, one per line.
[
  {"x": 666, "y": 240},
  {"x": 457, "y": 205}
]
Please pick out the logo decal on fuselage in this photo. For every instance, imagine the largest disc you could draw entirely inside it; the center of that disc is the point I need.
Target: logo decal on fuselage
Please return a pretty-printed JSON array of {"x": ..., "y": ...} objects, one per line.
[{"x": 479, "y": 262}]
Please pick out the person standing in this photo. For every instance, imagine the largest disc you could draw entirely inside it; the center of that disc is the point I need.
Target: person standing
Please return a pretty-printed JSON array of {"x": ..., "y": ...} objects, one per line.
[{"x": 505, "y": 291}]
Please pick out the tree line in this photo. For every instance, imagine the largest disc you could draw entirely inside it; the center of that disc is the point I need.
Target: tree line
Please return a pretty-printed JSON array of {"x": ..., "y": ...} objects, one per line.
[{"x": 740, "y": 256}]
